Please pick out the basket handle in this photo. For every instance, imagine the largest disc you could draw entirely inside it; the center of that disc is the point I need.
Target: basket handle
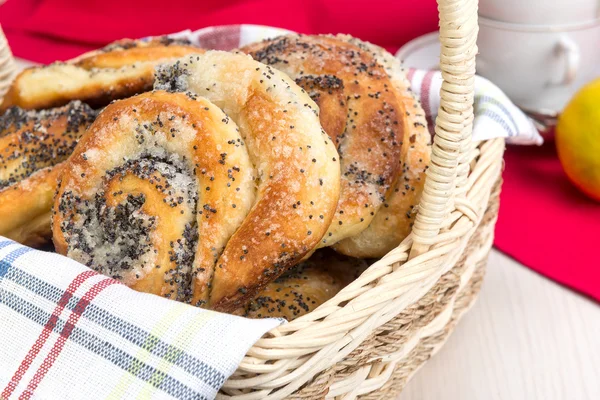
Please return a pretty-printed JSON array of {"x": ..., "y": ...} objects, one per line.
[
  {"x": 449, "y": 167},
  {"x": 8, "y": 67}
]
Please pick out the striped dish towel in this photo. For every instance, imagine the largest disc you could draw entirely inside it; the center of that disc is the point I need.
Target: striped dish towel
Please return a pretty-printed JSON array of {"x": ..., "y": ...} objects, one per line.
[
  {"x": 495, "y": 115},
  {"x": 70, "y": 333}
]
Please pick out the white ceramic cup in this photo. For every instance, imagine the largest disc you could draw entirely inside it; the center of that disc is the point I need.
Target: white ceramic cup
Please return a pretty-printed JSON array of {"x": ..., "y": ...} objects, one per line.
[
  {"x": 540, "y": 12},
  {"x": 539, "y": 67}
]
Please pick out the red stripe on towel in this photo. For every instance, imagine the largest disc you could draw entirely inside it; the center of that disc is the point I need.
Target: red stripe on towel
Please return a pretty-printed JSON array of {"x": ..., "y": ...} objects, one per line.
[
  {"x": 64, "y": 335},
  {"x": 425, "y": 95},
  {"x": 45, "y": 334}
]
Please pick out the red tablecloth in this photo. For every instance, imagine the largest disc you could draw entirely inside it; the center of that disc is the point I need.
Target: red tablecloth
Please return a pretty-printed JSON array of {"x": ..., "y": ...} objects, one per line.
[
  {"x": 544, "y": 222},
  {"x": 47, "y": 30},
  {"x": 547, "y": 224}
]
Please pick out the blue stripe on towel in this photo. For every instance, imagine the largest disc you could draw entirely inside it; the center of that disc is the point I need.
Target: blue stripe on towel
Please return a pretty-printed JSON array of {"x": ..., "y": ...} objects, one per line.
[
  {"x": 5, "y": 242},
  {"x": 103, "y": 348},
  {"x": 7, "y": 261},
  {"x": 482, "y": 101},
  {"x": 125, "y": 329}
]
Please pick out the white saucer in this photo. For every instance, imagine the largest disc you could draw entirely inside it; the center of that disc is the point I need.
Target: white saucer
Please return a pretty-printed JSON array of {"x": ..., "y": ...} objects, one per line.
[
  {"x": 424, "y": 53},
  {"x": 421, "y": 53}
]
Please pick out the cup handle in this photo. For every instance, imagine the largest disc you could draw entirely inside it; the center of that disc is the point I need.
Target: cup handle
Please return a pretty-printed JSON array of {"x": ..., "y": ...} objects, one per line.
[{"x": 568, "y": 49}]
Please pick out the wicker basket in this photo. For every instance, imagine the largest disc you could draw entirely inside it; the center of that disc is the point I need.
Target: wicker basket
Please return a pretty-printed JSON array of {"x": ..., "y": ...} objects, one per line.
[{"x": 369, "y": 339}]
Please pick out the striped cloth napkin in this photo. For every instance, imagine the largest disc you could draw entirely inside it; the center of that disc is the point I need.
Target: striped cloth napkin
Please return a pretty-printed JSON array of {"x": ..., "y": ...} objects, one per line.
[
  {"x": 495, "y": 115},
  {"x": 70, "y": 333}
]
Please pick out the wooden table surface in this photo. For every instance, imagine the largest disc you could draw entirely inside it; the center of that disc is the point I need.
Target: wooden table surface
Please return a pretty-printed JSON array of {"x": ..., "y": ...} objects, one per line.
[{"x": 525, "y": 338}]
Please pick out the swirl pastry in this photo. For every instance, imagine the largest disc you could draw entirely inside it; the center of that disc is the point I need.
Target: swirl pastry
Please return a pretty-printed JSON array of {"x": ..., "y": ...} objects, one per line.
[
  {"x": 393, "y": 222},
  {"x": 175, "y": 197},
  {"x": 119, "y": 70},
  {"x": 33, "y": 145},
  {"x": 304, "y": 287},
  {"x": 359, "y": 109}
]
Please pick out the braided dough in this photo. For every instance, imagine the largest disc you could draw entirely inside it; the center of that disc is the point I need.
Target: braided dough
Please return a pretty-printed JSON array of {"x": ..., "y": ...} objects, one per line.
[
  {"x": 175, "y": 197},
  {"x": 359, "y": 109},
  {"x": 33, "y": 145},
  {"x": 393, "y": 221},
  {"x": 119, "y": 70},
  {"x": 305, "y": 287}
]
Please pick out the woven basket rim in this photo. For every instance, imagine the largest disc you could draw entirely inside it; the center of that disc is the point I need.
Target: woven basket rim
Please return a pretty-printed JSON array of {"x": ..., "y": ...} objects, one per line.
[
  {"x": 341, "y": 322},
  {"x": 456, "y": 193}
]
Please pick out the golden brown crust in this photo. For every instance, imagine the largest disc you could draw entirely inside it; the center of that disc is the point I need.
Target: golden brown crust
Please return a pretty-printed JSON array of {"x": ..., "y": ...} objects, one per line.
[
  {"x": 32, "y": 144},
  {"x": 32, "y": 140},
  {"x": 155, "y": 189},
  {"x": 305, "y": 287},
  {"x": 297, "y": 168},
  {"x": 25, "y": 208},
  {"x": 241, "y": 204},
  {"x": 393, "y": 222},
  {"x": 120, "y": 70},
  {"x": 358, "y": 109}
]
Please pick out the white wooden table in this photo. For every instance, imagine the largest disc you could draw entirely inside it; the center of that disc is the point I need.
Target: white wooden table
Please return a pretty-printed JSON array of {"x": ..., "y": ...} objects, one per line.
[{"x": 525, "y": 338}]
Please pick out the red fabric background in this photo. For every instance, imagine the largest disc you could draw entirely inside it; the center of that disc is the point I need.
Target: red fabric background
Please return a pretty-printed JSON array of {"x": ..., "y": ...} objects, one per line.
[
  {"x": 544, "y": 222},
  {"x": 46, "y": 30}
]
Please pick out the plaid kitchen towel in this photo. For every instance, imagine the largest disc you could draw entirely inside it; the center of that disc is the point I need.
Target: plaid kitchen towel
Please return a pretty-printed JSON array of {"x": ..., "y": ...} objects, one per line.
[{"x": 70, "y": 333}]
